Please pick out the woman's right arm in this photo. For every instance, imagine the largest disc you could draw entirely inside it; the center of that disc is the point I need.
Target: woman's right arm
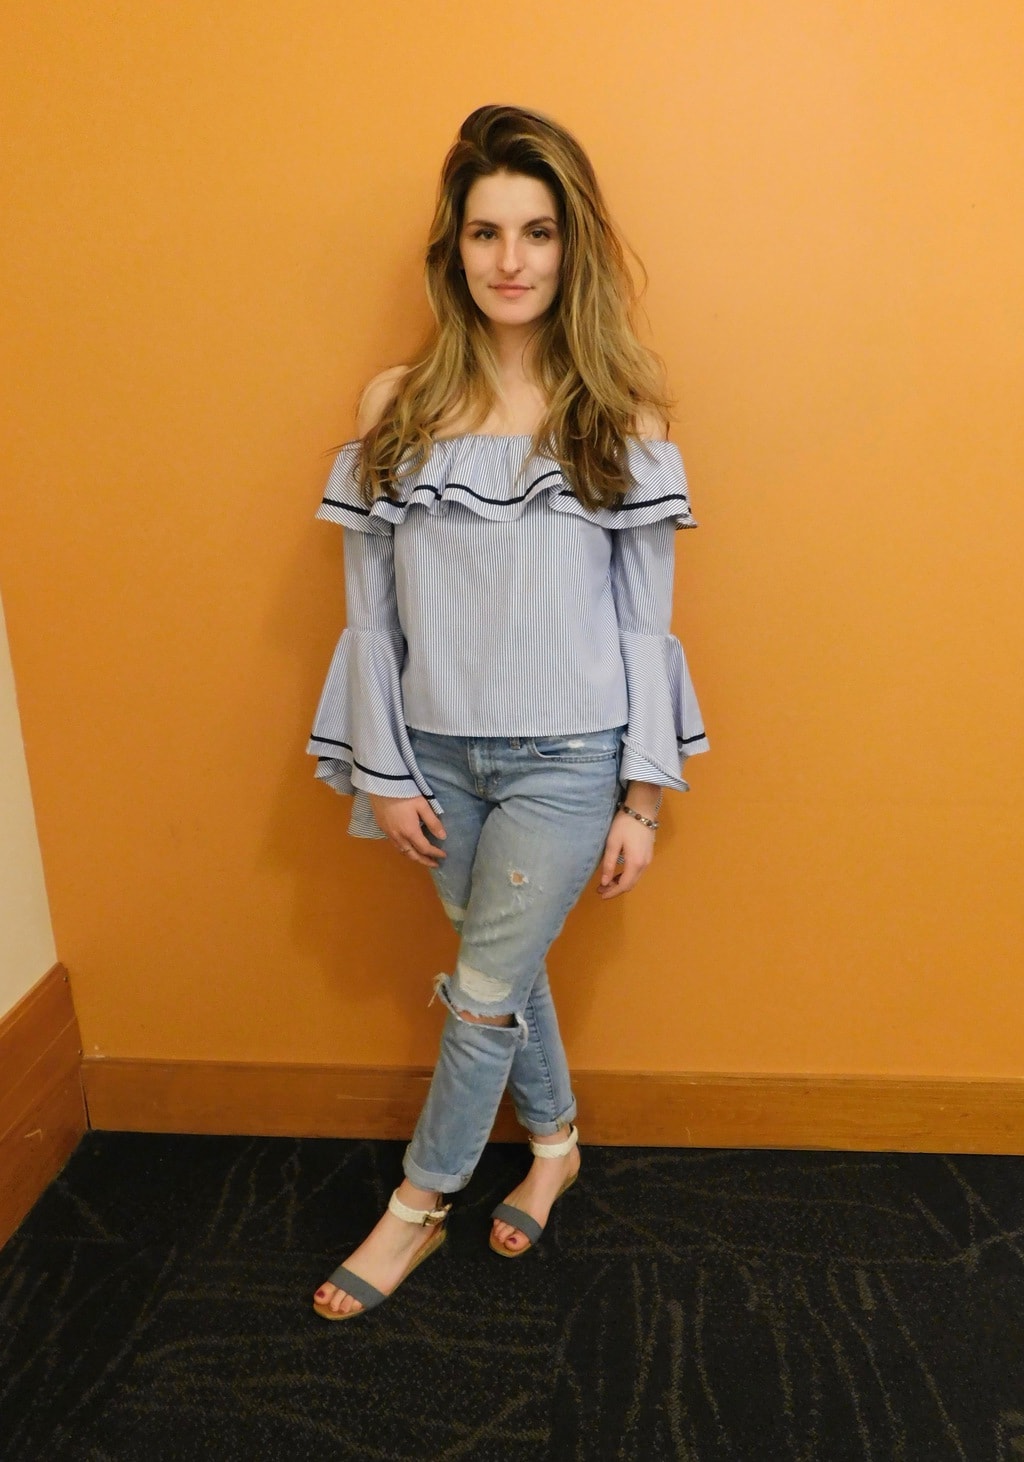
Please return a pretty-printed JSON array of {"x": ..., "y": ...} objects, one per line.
[{"x": 402, "y": 820}]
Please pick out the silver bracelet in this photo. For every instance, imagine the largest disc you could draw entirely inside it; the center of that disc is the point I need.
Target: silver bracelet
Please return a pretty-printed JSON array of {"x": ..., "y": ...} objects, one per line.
[{"x": 650, "y": 822}]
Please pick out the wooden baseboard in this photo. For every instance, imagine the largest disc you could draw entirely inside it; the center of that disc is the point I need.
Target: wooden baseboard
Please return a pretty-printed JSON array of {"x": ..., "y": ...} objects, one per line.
[
  {"x": 42, "y": 1110},
  {"x": 853, "y": 1113}
]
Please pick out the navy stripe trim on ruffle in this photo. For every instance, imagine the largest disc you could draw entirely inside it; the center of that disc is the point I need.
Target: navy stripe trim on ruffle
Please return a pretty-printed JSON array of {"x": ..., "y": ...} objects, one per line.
[
  {"x": 370, "y": 771},
  {"x": 439, "y": 492},
  {"x": 332, "y": 502}
]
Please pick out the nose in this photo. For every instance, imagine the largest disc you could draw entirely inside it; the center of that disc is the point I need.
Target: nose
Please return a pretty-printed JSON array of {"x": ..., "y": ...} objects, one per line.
[{"x": 510, "y": 262}]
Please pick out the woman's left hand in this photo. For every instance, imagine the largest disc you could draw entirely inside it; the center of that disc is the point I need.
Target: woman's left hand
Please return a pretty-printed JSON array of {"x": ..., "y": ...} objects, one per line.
[{"x": 633, "y": 844}]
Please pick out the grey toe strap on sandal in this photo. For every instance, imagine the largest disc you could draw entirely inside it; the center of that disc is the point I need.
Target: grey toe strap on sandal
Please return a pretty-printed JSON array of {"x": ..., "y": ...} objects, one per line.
[
  {"x": 508, "y": 1213},
  {"x": 362, "y": 1290}
]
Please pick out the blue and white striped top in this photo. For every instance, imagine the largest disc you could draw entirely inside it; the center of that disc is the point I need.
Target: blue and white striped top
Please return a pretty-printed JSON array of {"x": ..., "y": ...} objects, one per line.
[{"x": 488, "y": 601}]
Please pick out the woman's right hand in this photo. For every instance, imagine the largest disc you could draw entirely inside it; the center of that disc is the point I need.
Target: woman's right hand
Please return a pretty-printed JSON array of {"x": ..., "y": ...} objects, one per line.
[{"x": 402, "y": 821}]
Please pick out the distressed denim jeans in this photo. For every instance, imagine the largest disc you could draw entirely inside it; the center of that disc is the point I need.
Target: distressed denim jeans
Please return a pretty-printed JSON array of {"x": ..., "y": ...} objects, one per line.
[{"x": 526, "y": 822}]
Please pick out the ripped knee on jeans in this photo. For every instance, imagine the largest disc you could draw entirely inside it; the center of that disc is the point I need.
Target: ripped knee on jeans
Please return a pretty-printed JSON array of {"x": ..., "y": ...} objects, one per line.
[
  {"x": 450, "y": 990},
  {"x": 484, "y": 1019},
  {"x": 481, "y": 988}
]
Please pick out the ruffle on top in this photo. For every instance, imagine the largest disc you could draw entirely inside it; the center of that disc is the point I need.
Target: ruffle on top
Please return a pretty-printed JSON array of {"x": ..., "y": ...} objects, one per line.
[{"x": 497, "y": 476}]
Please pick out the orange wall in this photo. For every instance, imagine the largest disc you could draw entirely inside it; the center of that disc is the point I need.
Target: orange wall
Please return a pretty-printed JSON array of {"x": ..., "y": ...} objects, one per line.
[{"x": 218, "y": 216}]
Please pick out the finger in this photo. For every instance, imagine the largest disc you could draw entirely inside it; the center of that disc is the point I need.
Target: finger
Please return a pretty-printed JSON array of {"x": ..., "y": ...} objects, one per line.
[
  {"x": 609, "y": 862},
  {"x": 630, "y": 877},
  {"x": 413, "y": 844},
  {"x": 413, "y": 855},
  {"x": 627, "y": 879},
  {"x": 406, "y": 830},
  {"x": 612, "y": 886},
  {"x": 431, "y": 821},
  {"x": 417, "y": 839},
  {"x": 424, "y": 842}
]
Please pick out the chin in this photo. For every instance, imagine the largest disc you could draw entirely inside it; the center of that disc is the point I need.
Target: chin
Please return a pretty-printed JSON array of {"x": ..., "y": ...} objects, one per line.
[{"x": 512, "y": 313}]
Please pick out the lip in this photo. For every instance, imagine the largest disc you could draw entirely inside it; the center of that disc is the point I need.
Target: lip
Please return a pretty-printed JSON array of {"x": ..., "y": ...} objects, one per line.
[{"x": 513, "y": 290}]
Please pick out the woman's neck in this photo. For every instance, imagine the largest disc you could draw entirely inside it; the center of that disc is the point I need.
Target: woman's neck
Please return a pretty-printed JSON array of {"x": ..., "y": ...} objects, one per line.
[
  {"x": 522, "y": 405},
  {"x": 514, "y": 351}
]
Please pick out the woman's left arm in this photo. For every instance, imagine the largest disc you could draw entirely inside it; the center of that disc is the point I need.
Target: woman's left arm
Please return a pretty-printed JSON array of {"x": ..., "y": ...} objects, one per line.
[{"x": 642, "y": 571}]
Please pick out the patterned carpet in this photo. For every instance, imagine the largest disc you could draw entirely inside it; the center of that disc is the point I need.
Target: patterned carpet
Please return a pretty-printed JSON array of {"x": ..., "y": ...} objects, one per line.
[{"x": 705, "y": 1306}]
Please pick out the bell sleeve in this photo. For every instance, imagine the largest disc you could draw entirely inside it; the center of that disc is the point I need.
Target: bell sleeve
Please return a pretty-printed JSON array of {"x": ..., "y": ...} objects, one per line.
[
  {"x": 359, "y": 734},
  {"x": 665, "y": 724}
]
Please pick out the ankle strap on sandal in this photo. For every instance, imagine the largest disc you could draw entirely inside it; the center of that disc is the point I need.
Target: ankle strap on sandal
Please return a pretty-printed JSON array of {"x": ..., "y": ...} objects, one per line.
[
  {"x": 556, "y": 1149},
  {"x": 425, "y": 1217}
]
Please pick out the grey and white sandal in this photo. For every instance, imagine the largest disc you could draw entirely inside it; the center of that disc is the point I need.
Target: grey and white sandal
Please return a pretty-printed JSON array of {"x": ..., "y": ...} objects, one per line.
[
  {"x": 517, "y": 1217},
  {"x": 367, "y": 1294}
]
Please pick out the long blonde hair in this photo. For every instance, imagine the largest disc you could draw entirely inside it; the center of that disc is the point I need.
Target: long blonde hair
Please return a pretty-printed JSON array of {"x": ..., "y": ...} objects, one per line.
[{"x": 597, "y": 378}]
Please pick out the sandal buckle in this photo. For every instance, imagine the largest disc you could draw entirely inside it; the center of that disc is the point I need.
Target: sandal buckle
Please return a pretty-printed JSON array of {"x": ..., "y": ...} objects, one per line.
[{"x": 422, "y": 1217}]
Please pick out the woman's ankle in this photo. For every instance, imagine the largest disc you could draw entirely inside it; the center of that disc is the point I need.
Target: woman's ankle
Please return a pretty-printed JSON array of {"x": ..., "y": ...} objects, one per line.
[
  {"x": 413, "y": 1197},
  {"x": 551, "y": 1139}
]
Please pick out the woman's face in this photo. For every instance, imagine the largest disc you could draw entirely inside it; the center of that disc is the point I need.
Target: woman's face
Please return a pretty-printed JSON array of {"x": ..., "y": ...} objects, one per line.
[{"x": 511, "y": 248}]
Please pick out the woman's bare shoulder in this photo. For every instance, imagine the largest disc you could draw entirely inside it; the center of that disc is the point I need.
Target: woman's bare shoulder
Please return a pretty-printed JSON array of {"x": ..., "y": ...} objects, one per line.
[
  {"x": 377, "y": 396},
  {"x": 651, "y": 425}
]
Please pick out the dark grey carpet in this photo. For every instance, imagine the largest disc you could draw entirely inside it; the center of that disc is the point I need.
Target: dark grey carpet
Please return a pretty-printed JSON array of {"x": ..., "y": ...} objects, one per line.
[{"x": 705, "y": 1306}]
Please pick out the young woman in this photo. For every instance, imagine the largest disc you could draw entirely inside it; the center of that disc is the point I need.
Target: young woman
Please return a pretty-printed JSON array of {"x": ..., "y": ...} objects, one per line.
[{"x": 507, "y": 703}]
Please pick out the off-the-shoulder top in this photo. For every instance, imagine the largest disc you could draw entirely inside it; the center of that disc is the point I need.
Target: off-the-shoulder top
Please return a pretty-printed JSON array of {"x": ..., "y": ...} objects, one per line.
[{"x": 487, "y": 600}]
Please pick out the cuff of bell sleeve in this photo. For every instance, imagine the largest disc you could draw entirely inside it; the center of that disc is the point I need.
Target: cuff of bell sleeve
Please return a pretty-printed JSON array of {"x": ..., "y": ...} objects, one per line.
[{"x": 636, "y": 767}]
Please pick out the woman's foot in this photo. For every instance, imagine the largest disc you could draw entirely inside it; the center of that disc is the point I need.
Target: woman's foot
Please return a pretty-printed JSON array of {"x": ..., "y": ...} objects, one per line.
[
  {"x": 387, "y": 1253},
  {"x": 547, "y": 1179}
]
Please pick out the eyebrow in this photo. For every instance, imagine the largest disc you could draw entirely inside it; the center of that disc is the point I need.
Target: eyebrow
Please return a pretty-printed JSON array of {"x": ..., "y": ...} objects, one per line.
[{"x": 486, "y": 223}]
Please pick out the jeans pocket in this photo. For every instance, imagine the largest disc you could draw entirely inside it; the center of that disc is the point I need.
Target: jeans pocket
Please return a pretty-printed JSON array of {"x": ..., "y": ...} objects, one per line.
[{"x": 594, "y": 746}]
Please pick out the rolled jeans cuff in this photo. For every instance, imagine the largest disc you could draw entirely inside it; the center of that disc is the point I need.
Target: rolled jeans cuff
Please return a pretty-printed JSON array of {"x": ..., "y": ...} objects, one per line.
[
  {"x": 548, "y": 1129},
  {"x": 433, "y": 1182}
]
